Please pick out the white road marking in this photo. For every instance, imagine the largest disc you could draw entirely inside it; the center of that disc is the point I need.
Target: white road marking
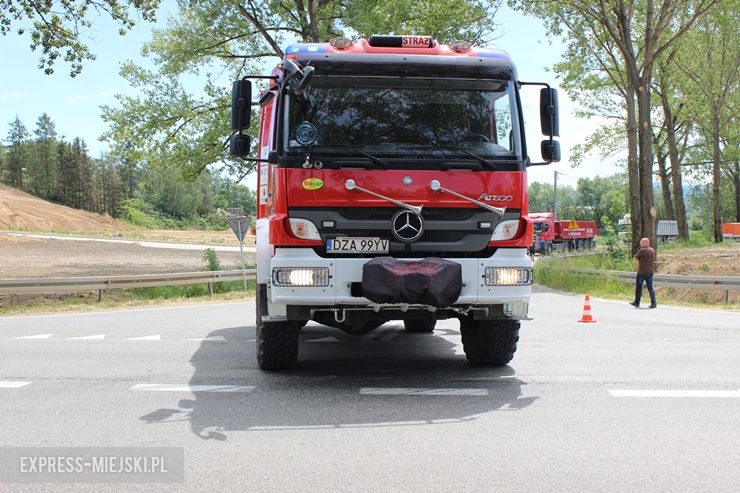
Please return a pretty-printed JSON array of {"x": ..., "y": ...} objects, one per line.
[
  {"x": 421, "y": 391},
  {"x": 164, "y": 387},
  {"x": 39, "y": 336},
  {"x": 209, "y": 339},
  {"x": 325, "y": 339},
  {"x": 145, "y": 338},
  {"x": 145, "y": 244},
  {"x": 12, "y": 384},
  {"x": 97, "y": 337},
  {"x": 722, "y": 394}
]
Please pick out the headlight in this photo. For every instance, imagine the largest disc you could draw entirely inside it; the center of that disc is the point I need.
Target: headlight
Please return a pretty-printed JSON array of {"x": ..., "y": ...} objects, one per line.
[
  {"x": 508, "y": 276},
  {"x": 304, "y": 229},
  {"x": 505, "y": 230},
  {"x": 300, "y": 276}
]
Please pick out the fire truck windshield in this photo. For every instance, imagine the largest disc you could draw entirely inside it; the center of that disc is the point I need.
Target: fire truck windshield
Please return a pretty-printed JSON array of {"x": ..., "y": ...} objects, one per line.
[{"x": 407, "y": 119}]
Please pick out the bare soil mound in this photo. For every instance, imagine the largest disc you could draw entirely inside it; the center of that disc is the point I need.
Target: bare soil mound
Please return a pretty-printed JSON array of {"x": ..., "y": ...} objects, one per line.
[
  {"x": 721, "y": 260},
  {"x": 22, "y": 211}
]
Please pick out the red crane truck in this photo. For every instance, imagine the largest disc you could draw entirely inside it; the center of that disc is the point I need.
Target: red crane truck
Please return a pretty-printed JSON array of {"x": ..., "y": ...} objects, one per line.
[
  {"x": 392, "y": 186},
  {"x": 562, "y": 235}
]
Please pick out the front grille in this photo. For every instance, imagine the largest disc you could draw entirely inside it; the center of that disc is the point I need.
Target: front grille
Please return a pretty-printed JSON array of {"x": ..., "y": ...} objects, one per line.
[{"x": 451, "y": 232}]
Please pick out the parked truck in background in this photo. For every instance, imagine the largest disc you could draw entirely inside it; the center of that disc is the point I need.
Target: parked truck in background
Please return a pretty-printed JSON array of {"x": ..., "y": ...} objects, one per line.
[
  {"x": 731, "y": 231},
  {"x": 666, "y": 230},
  {"x": 392, "y": 186},
  {"x": 561, "y": 235}
]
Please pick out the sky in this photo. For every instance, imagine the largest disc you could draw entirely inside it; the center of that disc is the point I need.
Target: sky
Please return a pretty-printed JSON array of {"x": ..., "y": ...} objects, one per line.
[{"x": 74, "y": 103}]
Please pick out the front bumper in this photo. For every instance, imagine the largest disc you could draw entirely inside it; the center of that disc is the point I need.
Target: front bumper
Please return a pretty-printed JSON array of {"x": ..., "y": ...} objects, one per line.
[{"x": 344, "y": 272}]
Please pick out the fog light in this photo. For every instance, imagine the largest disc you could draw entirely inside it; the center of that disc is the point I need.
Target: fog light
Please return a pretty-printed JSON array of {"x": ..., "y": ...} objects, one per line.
[
  {"x": 508, "y": 276},
  {"x": 300, "y": 276}
]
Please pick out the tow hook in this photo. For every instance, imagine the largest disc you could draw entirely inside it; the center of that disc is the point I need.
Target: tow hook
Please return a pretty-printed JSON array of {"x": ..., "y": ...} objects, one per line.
[{"x": 337, "y": 317}]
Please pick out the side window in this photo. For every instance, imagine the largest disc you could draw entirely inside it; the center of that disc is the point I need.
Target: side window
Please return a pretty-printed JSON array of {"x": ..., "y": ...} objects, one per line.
[{"x": 502, "y": 119}]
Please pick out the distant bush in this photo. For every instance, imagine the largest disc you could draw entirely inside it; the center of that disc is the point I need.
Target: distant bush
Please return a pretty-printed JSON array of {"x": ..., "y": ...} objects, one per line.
[{"x": 141, "y": 213}]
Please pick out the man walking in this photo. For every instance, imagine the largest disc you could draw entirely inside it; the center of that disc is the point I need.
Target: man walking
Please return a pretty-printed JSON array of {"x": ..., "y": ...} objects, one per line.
[{"x": 645, "y": 269}]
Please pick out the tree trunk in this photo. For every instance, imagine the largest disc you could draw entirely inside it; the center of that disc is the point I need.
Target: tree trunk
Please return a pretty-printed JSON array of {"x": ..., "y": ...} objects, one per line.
[
  {"x": 676, "y": 179},
  {"x": 633, "y": 173},
  {"x": 645, "y": 141},
  {"x": 665, "y": 186},
  {"x": 716, "y": 158}
]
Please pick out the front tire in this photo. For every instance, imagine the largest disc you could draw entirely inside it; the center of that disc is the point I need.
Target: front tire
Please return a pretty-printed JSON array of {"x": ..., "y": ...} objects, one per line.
[
  {"x": 277, "y": 342},
  {"x": 420, "y": 325},
  {"x": 489, "y": 342}
]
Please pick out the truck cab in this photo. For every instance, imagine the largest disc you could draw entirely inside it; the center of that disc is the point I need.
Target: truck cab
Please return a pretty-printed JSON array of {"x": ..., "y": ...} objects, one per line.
[{"x": 392, "y": 186}]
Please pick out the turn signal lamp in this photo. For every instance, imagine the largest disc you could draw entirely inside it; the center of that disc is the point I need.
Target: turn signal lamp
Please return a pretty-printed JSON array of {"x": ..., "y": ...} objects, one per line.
[
  {"x": 304, "y": 229},
  {"x": 505, "y": 230}
]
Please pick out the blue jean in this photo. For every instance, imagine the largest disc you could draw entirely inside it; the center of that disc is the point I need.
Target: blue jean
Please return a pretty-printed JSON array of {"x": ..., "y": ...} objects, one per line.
[{"x": 638, "y": 288}]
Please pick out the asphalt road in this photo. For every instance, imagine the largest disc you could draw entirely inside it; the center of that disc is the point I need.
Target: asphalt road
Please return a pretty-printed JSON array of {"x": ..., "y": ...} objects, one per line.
[{"x": 641, "y": 400}]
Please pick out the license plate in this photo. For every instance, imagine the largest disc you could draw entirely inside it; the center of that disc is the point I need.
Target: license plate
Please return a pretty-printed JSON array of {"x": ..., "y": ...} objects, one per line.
[{"x": 357, "y": 245}]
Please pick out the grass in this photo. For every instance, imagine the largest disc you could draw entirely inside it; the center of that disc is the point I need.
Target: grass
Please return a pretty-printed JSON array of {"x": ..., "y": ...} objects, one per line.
[
  {"x": 558, "y": 273},
  {"x": 126, "y": 298}
]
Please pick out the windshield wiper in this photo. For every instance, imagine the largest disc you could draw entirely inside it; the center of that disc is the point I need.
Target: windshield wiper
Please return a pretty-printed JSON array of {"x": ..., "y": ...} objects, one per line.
[
  {"x": 488, "y": 164},
  {"x": 374, "y": 159}
]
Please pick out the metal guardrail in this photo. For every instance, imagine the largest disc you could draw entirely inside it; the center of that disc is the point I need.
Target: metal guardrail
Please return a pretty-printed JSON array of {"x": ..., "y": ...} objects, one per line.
[
  {"x": 726, "y": 283},
  {"x": 102, "y": 283},
  {"x": 672, "y": 281}
]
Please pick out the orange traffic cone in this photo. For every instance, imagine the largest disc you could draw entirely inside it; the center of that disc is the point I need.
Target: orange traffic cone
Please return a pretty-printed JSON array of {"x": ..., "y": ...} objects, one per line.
[{"x": 587, "y": 318}]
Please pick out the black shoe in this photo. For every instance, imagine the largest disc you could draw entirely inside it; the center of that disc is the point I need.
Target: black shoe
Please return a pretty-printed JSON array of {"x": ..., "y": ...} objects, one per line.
[
  {"x": 634, "y": 304},
  {"x": 653, "y": 306}
]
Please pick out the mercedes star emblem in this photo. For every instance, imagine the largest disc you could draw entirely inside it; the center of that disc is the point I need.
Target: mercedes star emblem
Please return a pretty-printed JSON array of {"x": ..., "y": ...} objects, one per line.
[{"x": 407, "y": 226}]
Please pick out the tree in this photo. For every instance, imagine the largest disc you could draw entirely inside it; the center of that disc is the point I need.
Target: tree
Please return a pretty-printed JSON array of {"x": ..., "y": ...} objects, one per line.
[
  {"x": 676, "y": 128},
  {"x": 17, "y": 159},
  {"x": 216, "y": 41},
  {"x": 710, "y": 61},
  {"x": 58, "y": 28},
  {"x": 603, "y": 198},
  {"x": 622, "y": 41},
  {"x": 44, "y": 157}
]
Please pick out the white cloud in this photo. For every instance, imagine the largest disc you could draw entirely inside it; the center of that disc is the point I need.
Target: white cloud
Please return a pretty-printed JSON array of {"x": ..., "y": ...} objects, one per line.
[
  {"x": 14, "y": 96},
  {"x": 92, "y": 96}
]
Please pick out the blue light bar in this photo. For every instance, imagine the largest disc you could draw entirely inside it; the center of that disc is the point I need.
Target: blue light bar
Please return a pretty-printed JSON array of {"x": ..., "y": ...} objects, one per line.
[
  {"x": 305, "y": 48},
  {"x": 491, "y": 53}
]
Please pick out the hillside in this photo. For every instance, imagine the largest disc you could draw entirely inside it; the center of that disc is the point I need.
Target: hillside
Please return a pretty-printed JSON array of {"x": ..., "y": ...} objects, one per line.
[{"x": 22, "y": 211}]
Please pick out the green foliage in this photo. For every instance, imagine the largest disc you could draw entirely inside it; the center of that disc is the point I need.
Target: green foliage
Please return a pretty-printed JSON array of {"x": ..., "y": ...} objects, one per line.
[
  {"x": 180, "y": 114},
  {"x": 144, "y": 194},
  {"x": 58, "y": 28},
  {"x": 559, "y": 273},
  {"x": 211, "y": 259},
  {"x": 190, "y": 291}
]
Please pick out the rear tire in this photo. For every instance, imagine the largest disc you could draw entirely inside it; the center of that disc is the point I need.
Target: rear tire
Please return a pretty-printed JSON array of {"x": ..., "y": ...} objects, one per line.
[
  {"x": 489, "y": 342},
  {"x": 277, "y": 342},
  {"x": 420, "y": 325}
]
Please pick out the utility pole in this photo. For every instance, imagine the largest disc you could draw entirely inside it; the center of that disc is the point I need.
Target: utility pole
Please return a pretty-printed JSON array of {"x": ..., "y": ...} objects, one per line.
[{"x": 555, "y": 197}]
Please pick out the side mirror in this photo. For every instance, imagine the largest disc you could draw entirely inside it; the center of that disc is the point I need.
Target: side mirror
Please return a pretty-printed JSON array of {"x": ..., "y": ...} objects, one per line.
[
  {"x": 241, "y": 105},
  {"x": 239, "y": 145},
  {"x": 549, "y": 113},
  {"x": 303, "y": 83},
  {"x": 266, "y": 97},
  {"x": 291, "y": 69},
  {"x": 550, "y": 150}
]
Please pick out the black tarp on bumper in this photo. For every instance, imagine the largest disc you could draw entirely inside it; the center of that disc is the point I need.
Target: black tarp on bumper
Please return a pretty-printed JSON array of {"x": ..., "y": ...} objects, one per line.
[{"x": 432, "y": 281}]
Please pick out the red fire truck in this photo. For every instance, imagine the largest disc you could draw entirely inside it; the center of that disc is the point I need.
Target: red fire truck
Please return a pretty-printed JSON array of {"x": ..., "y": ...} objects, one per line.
[
  {"x": 392, "y": 186},
  {"x": 562, "y": 235}
]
